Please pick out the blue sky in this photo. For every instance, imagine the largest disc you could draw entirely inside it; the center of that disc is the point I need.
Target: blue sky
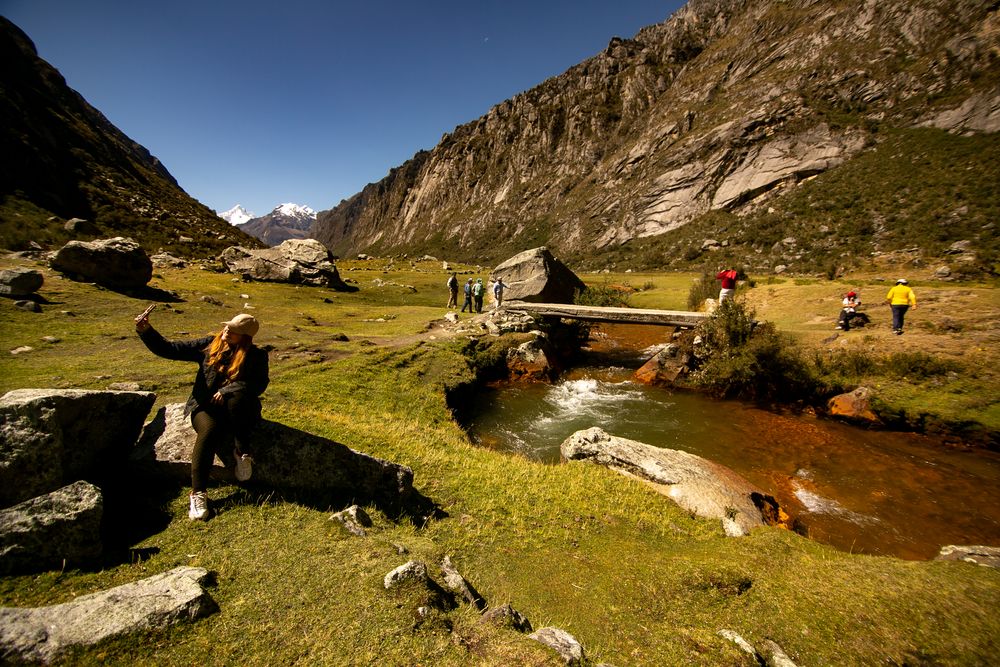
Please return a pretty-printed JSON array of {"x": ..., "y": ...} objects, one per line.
[{"x": 306, "y": 101}]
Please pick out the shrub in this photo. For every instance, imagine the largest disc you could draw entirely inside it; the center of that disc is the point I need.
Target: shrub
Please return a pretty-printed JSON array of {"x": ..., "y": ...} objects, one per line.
[
  {"x": 744, "y": 358},
  {"x": 704, "y": 287},
  {"x": 917, "y": 365}
]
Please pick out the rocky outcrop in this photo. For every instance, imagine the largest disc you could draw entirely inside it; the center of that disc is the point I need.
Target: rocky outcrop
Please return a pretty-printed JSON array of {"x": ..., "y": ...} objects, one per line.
[
  {"x": 53, "y": 437},
  {"x": 696, "y": 484},
  {"x": 533, "y": 360},
  {"x": 536, "y": 276},
  {"x": 298, "y": 261},
  {"x": 665, "y": 367},
  {"x": 20, "y": 281},
  {"x": 59, "y": 529},
  {"x": 720, "y": 106},
  {"x": 284, "y": 458},
  {"x": 118, "y": 263},
  {"x": 45, "y": 634},
  {"x": 979, "y": 113}
]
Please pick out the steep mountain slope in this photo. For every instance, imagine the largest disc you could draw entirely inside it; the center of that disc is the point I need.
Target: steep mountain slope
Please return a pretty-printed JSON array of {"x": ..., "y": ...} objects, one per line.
[
  {"x": 725, "y": 106},
  {"x": 62, "y": 157},
  {"x": 286, "y": 221}
]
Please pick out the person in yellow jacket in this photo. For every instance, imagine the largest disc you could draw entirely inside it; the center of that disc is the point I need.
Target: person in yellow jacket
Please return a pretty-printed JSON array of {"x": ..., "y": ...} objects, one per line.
[{"x": 900, "y": 298}]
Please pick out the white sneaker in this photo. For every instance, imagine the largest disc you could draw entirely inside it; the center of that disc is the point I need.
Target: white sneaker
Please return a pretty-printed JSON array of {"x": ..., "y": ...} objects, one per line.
[
  {"x": 199, "y": 507},
  {"x": 244, "y": 466}
]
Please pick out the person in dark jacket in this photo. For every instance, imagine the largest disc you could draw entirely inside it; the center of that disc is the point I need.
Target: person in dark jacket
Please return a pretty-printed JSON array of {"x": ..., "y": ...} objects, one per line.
[{"x": 225, "y": 399}]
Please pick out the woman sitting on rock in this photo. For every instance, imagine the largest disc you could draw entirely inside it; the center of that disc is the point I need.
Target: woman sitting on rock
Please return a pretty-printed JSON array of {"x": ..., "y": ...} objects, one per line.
[{"x": 224, "y": 402}]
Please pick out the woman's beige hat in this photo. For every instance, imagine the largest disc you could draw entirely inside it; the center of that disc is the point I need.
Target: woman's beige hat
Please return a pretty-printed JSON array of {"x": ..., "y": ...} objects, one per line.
[{"x": 243, "y": 324}]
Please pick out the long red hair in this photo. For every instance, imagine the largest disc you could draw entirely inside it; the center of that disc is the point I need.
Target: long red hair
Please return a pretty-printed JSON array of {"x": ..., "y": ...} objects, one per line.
[{"x": 217, "y": 350}]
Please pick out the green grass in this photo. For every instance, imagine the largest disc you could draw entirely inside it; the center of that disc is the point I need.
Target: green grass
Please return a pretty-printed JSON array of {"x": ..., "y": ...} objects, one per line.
[{"x": 637, "y": 580}]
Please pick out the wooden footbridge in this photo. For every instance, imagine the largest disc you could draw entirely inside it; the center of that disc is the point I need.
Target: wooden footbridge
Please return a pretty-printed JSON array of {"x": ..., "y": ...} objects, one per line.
[{"x": 676, "y": 318}]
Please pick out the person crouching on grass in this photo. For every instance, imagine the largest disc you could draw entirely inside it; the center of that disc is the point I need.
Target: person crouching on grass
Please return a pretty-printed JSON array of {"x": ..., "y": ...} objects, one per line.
[{"x": 224, "y": 402}]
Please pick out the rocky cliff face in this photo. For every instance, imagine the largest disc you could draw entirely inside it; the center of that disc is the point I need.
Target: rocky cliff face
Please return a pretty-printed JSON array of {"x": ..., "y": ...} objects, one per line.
[
  {"x": 721, "y": 107},
  {"x": 61, "y": 156}
]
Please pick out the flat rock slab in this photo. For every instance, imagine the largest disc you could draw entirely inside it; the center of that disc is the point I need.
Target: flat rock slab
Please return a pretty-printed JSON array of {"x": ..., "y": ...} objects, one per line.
[
  {"x": 562, "y": 642},
  {"x": 53, "y": 437},
  {"x": 43, "y": 634},
  {"x": 284, "y": 458},
  {"x": 62, "y": 527},
  {"x": 696, "y": 484}
]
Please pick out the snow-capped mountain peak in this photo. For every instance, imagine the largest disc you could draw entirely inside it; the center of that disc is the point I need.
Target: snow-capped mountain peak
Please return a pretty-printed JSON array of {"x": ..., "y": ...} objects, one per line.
[
  {"x": 294, "y": 211},
  {"x": 237, "y": 215}
]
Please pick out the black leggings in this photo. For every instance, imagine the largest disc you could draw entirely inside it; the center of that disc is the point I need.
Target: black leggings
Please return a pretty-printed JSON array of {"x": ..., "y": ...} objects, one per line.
[{"x": 216, "y": 426}]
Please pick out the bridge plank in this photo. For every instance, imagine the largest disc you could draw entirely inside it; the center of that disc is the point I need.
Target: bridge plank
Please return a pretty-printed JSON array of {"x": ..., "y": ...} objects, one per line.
[{"x": 681, "y": 318}]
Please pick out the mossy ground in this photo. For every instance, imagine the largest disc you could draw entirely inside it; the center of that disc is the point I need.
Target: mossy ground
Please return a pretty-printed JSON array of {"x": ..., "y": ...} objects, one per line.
[{"x": 637, "y": 580}]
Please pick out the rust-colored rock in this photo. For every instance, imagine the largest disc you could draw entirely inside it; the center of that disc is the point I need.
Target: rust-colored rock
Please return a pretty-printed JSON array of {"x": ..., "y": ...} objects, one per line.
[{"x": 855, "y": 405}]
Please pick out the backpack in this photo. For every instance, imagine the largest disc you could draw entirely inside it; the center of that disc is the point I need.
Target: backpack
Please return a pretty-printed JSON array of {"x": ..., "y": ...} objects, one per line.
[{"x": 477, "y": 289}]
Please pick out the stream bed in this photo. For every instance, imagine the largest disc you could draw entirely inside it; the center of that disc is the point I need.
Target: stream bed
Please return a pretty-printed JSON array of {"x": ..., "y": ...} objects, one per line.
[{"x": 874, "y": 492}]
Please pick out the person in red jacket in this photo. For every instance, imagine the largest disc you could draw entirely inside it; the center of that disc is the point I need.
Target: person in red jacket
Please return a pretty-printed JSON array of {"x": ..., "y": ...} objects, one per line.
[{"x": 728, "y": 278}]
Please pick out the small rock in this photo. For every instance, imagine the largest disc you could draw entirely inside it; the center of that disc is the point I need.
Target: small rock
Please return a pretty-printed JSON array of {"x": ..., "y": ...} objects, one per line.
[
  {"x": 124, "y": 386},
  {"x": 354, "y": 520},
  {"x": 50, "y": 339},
  {"x": 409, "y": 571},
  {"x": 780, "y": 268},
  {"x": 30, "y": 306},
  {"x": 562, "y": 642},
  {"x": 506, "y": 615},
  {"x": 22, "y": 349},
  {"x": 212, "y": 300}
]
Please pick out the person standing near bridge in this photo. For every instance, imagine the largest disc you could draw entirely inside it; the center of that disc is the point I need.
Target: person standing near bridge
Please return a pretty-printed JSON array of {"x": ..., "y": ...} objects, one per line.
[{"x": 728, "y": 278}]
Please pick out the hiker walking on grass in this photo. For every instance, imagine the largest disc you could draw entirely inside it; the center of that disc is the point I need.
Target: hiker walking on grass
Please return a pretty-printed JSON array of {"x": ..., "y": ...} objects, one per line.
[
  {"x": 728, "y": 278},
  {"x": 452, "y": 291},
  {"x": 468, "y": 296},
  {"x": 224, "y": 402},
  {"x": 900, "y": 298},
  {"x": 477, "y": 294}
]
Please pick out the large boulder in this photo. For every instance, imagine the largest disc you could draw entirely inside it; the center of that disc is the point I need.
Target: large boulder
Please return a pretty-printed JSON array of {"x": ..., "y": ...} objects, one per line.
[
  {"x": 50, "y": 531},
  {"x": 536, "y": 276},
  {"x": 44, "y": 634},
  {"x": 696, "y": 484},
  {"x": 298, "y": 261},
  {"x": 285, "y": 459},
  {"x": 53, "y": 437},
  {"x": 20, "y": 281},
  {"x": 119, "y": 263}
]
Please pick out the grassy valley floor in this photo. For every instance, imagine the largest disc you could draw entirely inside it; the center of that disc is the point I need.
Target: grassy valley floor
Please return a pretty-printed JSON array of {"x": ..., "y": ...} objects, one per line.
[{"x": 634, "y": 578}]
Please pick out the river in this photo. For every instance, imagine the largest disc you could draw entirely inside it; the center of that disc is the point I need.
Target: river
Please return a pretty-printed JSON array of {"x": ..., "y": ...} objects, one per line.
[{"x": 874, "y": 492}]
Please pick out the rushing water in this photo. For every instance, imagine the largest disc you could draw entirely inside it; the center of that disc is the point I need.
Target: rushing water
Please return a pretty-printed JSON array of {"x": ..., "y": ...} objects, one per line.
[{"x": 865, "y": 491}]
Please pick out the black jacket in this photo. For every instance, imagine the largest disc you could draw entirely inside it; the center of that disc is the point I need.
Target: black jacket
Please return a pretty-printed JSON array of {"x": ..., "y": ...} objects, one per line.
[{"x": 253, "y": 378}]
